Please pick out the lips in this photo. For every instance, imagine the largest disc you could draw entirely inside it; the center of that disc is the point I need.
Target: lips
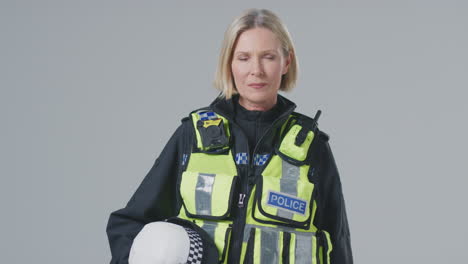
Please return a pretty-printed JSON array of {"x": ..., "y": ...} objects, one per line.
[{"x": 257, "y": 85}]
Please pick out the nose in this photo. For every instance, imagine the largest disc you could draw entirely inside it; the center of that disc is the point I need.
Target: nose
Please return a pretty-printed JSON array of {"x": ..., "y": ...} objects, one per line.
[{"x": 257, "y": 68}]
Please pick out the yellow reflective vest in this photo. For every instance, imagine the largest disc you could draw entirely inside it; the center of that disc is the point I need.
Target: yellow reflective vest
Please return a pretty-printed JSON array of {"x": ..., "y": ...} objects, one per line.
[{"x": 269, "y": 216}]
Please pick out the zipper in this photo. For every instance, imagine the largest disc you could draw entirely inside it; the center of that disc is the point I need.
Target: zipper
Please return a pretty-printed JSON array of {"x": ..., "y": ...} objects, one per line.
[
  {"x": 268, "y": 130},
  {"x": 239, "y": 223},
  {"x": 240, "y": 204},
  {"x": 248, "y": 183}
]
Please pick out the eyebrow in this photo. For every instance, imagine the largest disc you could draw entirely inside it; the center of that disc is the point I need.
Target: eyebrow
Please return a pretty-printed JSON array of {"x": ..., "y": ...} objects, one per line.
[{"x": 265, "y": 51}]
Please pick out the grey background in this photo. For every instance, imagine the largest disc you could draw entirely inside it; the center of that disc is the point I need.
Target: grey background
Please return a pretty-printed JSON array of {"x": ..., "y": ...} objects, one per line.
[{"x": 92, "y": 90}]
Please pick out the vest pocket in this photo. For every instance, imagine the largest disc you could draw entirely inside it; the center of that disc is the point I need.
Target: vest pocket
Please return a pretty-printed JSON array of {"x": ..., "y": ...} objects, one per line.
[
  {"x": 296, "y": 154},
  {"x": 283, "y": 201},
  {"x": 266, "y": 245},
  {"x": 220, "y": 233},
  {"x": 207, "y": 195}
]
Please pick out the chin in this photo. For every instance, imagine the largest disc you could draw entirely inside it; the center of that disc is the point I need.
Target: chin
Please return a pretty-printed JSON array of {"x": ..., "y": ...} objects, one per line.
[{"x": 259, "y": 98}]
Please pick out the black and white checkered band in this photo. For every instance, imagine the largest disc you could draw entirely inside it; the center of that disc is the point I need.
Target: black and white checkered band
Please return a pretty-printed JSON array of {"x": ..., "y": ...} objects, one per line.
[{"x": 196, "y": 247}]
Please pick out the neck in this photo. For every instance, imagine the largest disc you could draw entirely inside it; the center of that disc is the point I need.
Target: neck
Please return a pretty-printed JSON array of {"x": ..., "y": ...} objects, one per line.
[{"x": 261, "y": 106}]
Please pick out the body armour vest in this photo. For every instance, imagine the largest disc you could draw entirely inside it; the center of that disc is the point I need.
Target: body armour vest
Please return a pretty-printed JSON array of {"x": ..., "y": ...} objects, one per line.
[{"x": 268, "y": 217}]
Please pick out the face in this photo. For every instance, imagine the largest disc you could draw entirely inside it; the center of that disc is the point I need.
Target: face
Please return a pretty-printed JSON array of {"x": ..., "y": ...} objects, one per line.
[{"x": 257, "y": 66}]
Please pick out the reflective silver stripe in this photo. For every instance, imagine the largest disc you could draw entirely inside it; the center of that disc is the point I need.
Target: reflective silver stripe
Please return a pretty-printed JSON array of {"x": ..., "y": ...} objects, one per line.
[
  {"x": 246, "y": 233},
  {"x": 269, "y": 247},
  {"x": 203, "y": 192},
  {"x": 210, "y": 229},
  {"x": 288, "y": 184},
  {"x": 303, "y": 250},
  {"x": 275, "y": 229}
]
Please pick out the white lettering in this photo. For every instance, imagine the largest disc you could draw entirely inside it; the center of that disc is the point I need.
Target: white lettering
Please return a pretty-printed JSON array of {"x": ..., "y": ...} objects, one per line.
[
  {"x": 284, "y": 201},
  {"x": 274, "y": 197},
  {"x": 281, "y": 200},
  {"x": 296, "y": 205},
  {"x": 302, "y": 207}
]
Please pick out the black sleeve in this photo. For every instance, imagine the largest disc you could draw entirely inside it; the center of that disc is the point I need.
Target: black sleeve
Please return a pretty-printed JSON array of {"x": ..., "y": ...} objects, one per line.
[
  {"x": 332, "y": 212},
  {"x": 154, "y": 200}
]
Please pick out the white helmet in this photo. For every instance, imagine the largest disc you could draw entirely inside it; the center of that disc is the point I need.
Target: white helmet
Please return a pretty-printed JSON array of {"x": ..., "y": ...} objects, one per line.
[{"x": 169, "y": 243}]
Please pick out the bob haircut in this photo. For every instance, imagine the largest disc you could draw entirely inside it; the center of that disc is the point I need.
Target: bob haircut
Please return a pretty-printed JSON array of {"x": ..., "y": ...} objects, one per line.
[{"x": 252, "y": 18}]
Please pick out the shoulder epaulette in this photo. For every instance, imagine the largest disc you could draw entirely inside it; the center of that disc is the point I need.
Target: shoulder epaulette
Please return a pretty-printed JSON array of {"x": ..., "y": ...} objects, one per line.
[
  {"x": 324, "y": 136},
  {"x": 205, "y": 108}
]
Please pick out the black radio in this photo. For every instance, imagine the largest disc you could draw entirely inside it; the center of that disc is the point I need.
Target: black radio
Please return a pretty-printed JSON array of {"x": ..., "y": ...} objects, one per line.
[{"x": 212, "y": 133}]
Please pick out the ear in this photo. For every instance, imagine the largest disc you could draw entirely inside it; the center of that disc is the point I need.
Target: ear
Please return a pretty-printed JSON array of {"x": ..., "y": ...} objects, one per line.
[{"x": 287, "y": 62}]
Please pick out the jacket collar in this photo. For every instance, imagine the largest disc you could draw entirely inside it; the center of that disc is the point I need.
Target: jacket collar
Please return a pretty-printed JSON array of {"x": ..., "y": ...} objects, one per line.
[{"x": 227, "y": 108}]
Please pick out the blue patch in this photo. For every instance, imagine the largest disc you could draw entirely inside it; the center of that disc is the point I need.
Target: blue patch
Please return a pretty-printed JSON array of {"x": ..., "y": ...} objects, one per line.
[
  {"x": 287, "y": 202},
  {"x": 207, "y": 115},
  {"x": 242, "y": 158},
  {"x": 184, "y": 159},
  {"x": 260, "y": 160}
]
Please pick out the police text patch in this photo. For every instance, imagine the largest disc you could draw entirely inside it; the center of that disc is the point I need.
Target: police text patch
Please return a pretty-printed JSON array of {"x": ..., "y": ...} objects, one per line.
[{"x": 287, "y": 202}]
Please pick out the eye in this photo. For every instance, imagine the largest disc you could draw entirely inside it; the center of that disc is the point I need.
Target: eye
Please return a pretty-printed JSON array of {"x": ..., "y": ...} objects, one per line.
[
  {"x": 242, "y": 58},
  {"x": 270, "y": 57}
]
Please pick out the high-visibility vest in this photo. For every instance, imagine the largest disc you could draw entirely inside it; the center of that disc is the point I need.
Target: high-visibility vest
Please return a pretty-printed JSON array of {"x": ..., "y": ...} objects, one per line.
[{"x": 280, "y": 205}]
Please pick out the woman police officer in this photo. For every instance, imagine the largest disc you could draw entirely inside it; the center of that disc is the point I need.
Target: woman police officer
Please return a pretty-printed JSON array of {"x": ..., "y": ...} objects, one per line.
[{"x": 254, "y": 178}]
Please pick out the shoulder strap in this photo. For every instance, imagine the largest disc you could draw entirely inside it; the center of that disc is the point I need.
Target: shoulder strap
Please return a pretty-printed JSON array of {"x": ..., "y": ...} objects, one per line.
[{"x": 187, "y": 142}]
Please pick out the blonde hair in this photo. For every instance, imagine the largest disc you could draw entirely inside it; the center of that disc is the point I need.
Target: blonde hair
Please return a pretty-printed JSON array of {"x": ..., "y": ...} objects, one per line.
[{"x": 252, "y": 18}]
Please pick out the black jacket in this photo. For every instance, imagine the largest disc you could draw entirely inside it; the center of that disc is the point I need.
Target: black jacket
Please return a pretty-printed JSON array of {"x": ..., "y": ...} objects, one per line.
[{"x": 157, "y": 198}]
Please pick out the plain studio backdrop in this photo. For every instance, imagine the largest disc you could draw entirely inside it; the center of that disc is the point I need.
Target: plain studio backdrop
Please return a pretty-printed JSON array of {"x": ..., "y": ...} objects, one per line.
[{"x": 91, "y": 91}]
